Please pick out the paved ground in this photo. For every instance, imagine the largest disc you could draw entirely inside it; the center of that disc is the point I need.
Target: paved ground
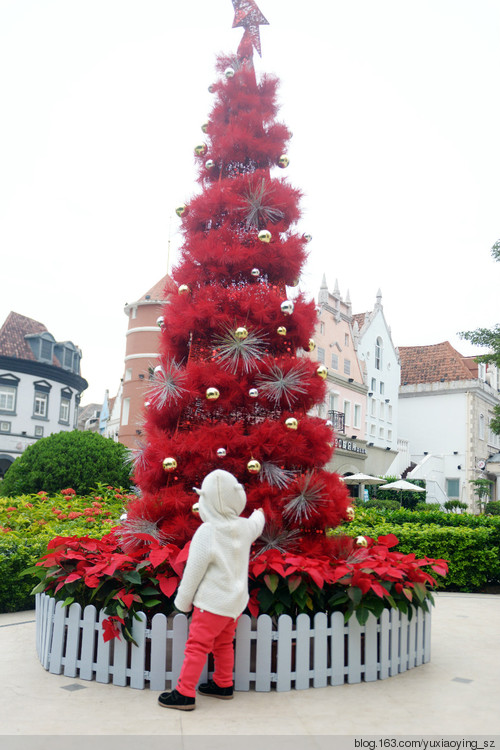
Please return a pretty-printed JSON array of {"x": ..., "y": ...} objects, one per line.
[{"x": 456, "y": 694}]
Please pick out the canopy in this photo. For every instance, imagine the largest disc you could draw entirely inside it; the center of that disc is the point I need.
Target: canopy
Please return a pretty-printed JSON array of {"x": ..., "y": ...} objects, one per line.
[
  {"x": 402, "y": 485},
  {"x": 362, "y": 479}
]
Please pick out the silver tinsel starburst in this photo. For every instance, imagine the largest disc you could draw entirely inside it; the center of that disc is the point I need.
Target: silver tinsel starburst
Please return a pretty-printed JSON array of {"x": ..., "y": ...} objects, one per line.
[
  {"x": 233, "y": 352},
  {"x": 167, "y": 385},
  {"x": 137, "y": 457},
  {"x": 300, "y": 507},
  {"x": 275, "y": 475},
  {"x": 131, "y": 529},
  {"x": 257, "y": 208},
  {"x": 283, "y": 540},
  {"x": 280, "y": 386}
]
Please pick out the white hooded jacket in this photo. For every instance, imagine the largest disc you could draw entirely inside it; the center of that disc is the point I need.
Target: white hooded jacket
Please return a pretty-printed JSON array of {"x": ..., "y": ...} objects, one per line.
[{"x": 216, "y": 574}]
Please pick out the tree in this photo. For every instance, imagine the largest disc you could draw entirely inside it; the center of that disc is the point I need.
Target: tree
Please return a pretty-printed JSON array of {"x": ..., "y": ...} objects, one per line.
[
  {"x": 67, "y": 459},
  {"x": 234, "y": 385},
  {"x": 489, "y": 338}
]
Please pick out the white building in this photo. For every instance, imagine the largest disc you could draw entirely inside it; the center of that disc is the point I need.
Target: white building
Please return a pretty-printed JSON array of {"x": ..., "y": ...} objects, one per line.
[
  {"x": 445, "y": 408},
  {"x": 380, "y": 358},
  {"x": 40, "y": 386}
]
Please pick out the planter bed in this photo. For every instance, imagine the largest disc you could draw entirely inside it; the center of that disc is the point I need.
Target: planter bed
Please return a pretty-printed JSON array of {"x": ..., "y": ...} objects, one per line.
[{"x": 281, "y": 655}]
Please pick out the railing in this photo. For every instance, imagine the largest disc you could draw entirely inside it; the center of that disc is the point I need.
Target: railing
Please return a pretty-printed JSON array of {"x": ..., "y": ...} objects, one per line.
[
  {"x": 337, "y": 418},
  {"x": 310, "y": 652}
]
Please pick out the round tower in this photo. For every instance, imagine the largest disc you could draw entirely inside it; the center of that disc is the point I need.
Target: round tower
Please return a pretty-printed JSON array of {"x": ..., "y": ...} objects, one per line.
[{"x": 141, "y": 357}]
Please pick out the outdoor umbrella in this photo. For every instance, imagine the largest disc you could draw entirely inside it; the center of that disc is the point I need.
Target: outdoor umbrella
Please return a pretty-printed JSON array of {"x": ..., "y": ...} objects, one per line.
[
  {"x": 401, "y": 485},
  {"x": 362, "y": 479}
]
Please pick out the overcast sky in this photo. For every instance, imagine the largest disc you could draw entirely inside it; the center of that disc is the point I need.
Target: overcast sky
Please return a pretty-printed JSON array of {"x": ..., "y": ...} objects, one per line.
[{"x": 395, "y": 110}]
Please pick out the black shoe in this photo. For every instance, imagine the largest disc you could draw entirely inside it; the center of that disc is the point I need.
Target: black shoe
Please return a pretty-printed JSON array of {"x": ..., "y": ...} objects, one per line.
[
  {"x": 211, "y": 688},
  {"x": 177, "y": 700}
]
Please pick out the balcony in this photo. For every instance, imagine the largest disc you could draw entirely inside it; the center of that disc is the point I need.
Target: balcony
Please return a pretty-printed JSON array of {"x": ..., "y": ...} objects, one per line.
[{"x": 337, "y": 418}]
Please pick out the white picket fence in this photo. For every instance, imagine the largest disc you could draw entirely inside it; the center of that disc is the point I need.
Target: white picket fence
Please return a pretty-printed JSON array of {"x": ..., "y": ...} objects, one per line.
[{"x": 300, "y": 655}]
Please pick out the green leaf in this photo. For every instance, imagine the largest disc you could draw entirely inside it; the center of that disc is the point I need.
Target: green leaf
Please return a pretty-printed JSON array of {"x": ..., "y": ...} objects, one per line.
[
  {"x": 149, "y": 591},
  {"x": 150, "y": 603},
  {"x": 362, "y": 615},
  {"x": 132, "y": 576},
  {"x": 39, "y": 588},
  {"x": 355, "y": 594},
  {"x": 69, "y": 600},
  {"x": 271, "y": 580}
]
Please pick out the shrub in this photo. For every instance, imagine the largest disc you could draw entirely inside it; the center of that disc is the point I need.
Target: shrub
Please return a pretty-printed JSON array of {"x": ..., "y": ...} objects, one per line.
[
  {"x": 28, "y": 523},
  {"x": 493, "y": 508},
  {"x": 79, "y": 460},
  {"x": 376, "y": 502},
  {"x": 472, "y": 553},
  {"x": 405, "y": 499},
  {"x": 455, "y": 506}
]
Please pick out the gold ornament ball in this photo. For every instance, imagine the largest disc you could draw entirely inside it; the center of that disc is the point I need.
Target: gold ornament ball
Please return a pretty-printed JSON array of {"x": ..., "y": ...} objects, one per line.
[
  {"x": 195, "y": 508},
  {"x": 322, "y": 372},
  {"x": 361, "y": 541},
  {"x": 311, "y": 345},
  {"x": 221, "y": 452},
  {"x": 253, "y": 466},
  {"x": 294, "y": 282},
  {"x": 212, "y": 89},
  {"x": 180, "y": 210},
  {"x": 281, "y": 330},
  {"x": 255, "y": 272},
  {"x": 265, "y": 236},
  {"x": 292, "y": 423},
  {"x": 241, "y": 333},
  {"x": 204, "y": 127},
  {"x": 283, "y": 161},
  {"x": 253, "y": 393},
  {"x": 210, "y": 164},
  {"x": 307, "y": 237},
  {"x": 350, "y": 513},
  {"x": 287, "y": 307},
  {"x": 184, "y": 289},
  {"x": 229, "y": 72},
  {"x": 200, "y": 149},
  {"x": 212, "y": 394},
  {"x": 169, "y": 464}
]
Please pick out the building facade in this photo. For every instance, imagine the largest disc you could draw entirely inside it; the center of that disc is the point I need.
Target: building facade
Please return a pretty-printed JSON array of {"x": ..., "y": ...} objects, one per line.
[
  {"x": 345, "y": 404},
  {"x": 40, "y": 386},
  {"x": 446, "y": 404}
]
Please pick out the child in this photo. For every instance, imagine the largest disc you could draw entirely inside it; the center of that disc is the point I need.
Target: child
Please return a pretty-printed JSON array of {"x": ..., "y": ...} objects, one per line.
[{"x": 215, "y": 581}]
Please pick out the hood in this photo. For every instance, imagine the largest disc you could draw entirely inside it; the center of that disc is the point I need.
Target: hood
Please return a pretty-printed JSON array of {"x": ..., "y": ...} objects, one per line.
[{"x": 221, "y": 496}]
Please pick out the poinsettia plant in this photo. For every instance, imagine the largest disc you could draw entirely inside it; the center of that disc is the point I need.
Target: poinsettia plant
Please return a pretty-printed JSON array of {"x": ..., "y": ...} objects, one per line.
[{"x": 145, "y": 577}]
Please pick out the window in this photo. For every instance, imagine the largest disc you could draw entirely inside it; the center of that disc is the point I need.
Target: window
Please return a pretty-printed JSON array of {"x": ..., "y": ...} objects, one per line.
[
  {"x": 321, "y": 327},
  {"x": 374, "y": 385},
  {"x": 381, "y": 413},
  {"x": 347, "y": 366},
  {"x": 389, "y": 434},
  {"x": 125, "y": 411},
  {"x": 378, "y": 353},
  {"x": 321, "y": 410},
  {"x": 347, "y": 412},
  {"x": 382, "y": 388},
  {"x": 46, "y": 350},
  {"x": 7, "y": 398},
  {"x": 373, "y": 408},
  {"x": 321, "y": 354},
  {"x": 334, "y": 401},
  {"x": 346, "y": 339},
  {"x": 5, "y": 426},
  {"x": 38, "y": 431},
  {"x": 389, "y": 412},
  {"x": 64, "y": 410},
  {"x": 481, "y": 427},
  {"x": 335, "y": 362},
  {"x": 381, "y": 432},
  {"x": 357, "y": 415},
  {"x": 128, "y": 373},
  {"x": 372, "y": 430},
  {"x": 41, "y": 403},
  {"x": 453, "y": 488},
  {"x": 68, "y": 358}
]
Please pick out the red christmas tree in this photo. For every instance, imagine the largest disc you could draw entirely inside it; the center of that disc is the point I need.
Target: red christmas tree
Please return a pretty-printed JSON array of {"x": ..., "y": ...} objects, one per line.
[{"x": 233, "y": 388}]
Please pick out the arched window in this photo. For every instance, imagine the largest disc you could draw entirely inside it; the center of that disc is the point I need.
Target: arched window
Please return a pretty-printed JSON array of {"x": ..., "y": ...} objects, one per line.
[{"x": 379, "y": 346}]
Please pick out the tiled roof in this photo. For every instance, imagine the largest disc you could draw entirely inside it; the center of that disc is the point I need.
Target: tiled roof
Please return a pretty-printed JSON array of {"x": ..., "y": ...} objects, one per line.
[
  {"x": 12, "y": 333},
  {"x": 432, "y": 364},
  {"x": 157, "y": 292},
  {"x": 359, "y": 318}
]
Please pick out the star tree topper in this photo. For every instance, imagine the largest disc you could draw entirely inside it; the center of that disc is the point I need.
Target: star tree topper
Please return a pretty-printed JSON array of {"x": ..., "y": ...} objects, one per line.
[{"x": 248, "y": 15}]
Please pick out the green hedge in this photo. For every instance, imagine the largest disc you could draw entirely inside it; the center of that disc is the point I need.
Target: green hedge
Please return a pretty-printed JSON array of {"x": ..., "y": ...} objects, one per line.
[
  {"x": 472, "y": 553},
  {"x": 29, "y": 522}
]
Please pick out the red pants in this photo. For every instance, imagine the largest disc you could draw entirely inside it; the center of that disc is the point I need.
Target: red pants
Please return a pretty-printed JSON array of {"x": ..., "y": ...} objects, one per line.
[{"x": 208, "y": 633}]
